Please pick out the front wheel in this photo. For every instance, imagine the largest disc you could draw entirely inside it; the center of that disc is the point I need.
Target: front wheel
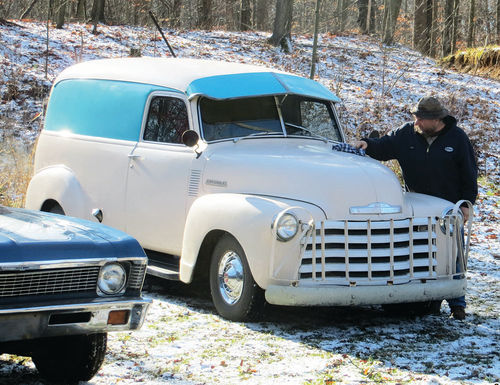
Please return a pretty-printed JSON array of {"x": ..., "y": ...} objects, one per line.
[
  {"x": 71, "y": 358},
  {"x": 235, "y": 294}
]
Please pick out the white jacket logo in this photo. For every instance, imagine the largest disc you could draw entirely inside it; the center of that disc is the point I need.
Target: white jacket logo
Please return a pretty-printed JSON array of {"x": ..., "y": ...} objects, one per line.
[{"x": 448, "y": 149}]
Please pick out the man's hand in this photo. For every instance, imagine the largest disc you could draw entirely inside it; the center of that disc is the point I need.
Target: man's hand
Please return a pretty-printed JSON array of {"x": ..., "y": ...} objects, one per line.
[
  {"x": 360, "y": 144},
  {"x": 465, "y": 212}
]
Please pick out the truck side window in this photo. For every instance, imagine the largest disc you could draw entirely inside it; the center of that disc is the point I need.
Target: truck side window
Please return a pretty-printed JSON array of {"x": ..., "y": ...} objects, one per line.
[{"x": 167, "y": 120}]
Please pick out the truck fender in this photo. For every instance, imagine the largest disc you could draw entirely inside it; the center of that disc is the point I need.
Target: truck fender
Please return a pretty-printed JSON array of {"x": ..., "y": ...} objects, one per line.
[
  {"x": 60, "y": 184},
  {"x": 248, "y": 218}
]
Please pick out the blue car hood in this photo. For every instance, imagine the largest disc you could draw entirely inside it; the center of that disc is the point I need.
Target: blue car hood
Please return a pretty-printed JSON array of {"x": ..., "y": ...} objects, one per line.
[{"x": 27, "y": 235}]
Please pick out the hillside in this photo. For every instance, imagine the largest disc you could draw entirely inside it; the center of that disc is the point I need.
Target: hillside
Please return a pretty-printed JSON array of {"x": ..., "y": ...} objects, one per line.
[
  {"x": 477, "y": 61},
  {"x": 183, "y": 340}
]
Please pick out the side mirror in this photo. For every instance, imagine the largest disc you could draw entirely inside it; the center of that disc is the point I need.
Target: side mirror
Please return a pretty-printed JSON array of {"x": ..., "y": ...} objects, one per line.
[
  {"x": 190, "y": 138},
  {"x": 374, "y": 134}
]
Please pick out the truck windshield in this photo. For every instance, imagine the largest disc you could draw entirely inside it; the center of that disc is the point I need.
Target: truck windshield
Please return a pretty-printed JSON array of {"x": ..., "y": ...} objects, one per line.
[{"x": 225, "y": 119}]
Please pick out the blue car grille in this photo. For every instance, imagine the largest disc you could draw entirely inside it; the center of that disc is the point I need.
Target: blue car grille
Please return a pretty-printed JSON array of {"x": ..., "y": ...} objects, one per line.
[
  {"x": 47, "y": 282},
  {"x": 136, "y": 276}
]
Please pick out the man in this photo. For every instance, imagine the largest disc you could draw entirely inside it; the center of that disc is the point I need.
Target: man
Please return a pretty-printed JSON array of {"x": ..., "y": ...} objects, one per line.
[{"x": 436, "y": 158}]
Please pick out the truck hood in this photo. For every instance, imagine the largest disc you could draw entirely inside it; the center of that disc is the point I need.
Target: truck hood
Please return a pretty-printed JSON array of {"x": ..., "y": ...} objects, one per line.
[
  {"x": 303, "y": 170},
  {"x": 27, "y": 235}
]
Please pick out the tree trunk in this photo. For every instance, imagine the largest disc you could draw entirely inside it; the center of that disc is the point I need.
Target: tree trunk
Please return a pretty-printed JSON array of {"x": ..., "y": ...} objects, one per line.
[
  {"x": 28, "y": 9},
  {"x": 391, "y": 12},
  {"x": 49, "y": 13},
  {"x": 362, "y": 14},
  {"x": 446, "y": 47},
  {"x": 470, "y": 29},
  {"x": 428, "y": 26},
  {"x": 315, "y": 40},
  {"x": 282, "y": 31},
  {"x": 231, "y": 14},
  {"x": 369, "y": 24},
  {"x": 205, "y": 14},
  {"x": 60, "y": 13},
  {"x": 261, "y": 14},
  {"x": 454, "y": 35},
  {"x": 341, "y": 15},
  {"x": 175, "y": 14},
  {"x": 246, "y": 14},
  {"x": 97, "y": 13},
  {"x": 422, "y": 27},
  {"x": 81, "y": 10},
  {"x": 432, "y": 16},
  {"x": 498, "y": 21},
  {"x": 366, "y": 15}
]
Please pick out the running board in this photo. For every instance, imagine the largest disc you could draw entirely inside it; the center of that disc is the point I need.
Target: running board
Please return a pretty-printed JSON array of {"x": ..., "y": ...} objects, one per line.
[
  {"x": 163, "y": 265},
  {"x": 162, "y": 272}
]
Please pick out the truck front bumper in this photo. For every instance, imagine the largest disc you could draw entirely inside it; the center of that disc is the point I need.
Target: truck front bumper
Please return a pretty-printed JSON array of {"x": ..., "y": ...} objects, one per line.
[
  {"x": 331, "y": 295},
  {"x": 59, "y": 319}
]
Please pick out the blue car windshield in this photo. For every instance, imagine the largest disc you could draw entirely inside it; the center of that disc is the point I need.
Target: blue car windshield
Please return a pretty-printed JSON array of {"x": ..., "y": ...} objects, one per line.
[{"x": 235, "y": 118}]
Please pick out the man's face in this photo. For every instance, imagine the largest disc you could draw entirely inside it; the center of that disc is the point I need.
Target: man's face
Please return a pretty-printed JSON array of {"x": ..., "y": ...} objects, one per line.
[{"x": 428, "y": 126}]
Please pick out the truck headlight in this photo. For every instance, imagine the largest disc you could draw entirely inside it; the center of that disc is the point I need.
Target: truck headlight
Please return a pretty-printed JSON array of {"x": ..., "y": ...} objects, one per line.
[
  {"x": 446, "y": 218},
  {"x": 287, "y": 227},
  {"x": 112, "y": 278}
]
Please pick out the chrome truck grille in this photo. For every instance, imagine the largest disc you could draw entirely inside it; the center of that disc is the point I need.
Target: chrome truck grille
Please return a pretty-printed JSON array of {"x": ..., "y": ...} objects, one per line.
[
  {"x": 370, "y": 252},
  {"x": 60, "y": 281}
]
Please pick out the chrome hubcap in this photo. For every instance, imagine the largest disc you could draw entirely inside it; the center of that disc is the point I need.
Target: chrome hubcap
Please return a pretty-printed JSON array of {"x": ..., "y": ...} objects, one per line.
[{"x": 230, "y": 277}]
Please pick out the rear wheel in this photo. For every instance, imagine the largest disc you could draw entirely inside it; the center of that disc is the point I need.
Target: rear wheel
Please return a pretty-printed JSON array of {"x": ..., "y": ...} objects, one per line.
[
  {"x": 235, "y": 294},
  {"x": 51, "y": 206},
  {"x": 71, "y": 358},
  {"x": 57, "y": 210}
]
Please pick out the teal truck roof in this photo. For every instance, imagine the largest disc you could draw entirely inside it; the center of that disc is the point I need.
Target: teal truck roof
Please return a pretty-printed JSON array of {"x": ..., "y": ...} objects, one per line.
[{"x": 213, "y": 79}]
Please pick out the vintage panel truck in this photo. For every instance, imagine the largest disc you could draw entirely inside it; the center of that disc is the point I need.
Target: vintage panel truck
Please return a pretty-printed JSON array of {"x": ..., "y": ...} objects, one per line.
[{"x": 232, "y": 173}]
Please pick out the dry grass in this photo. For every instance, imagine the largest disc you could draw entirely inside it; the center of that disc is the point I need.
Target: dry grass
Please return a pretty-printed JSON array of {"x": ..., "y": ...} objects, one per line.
[
  {"x": 16, "y": 170},
  {"x": 483, "y": 61}
]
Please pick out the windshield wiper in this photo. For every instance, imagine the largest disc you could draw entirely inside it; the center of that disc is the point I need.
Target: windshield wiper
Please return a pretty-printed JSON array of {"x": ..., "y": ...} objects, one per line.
[
  {"x": 304, "y": 130},
  {"x": 253, "y": 134}
]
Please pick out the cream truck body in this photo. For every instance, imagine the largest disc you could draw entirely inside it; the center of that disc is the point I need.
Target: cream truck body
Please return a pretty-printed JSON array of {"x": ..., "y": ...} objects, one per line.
[{"x": 259, "y": 202}]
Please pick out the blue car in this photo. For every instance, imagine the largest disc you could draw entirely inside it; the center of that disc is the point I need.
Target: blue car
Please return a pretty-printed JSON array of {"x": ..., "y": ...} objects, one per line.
[{"x": 65, "y": 283}]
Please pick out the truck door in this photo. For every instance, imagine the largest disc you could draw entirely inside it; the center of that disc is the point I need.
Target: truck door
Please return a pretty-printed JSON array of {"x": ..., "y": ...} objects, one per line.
[{"x": 157, "y": 183}]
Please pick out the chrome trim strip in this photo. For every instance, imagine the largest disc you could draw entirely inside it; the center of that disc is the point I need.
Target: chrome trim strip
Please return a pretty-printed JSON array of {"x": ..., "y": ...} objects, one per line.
[
  {"x": 323, "y": 268},
  {"x": 410, "y": 229},
  {"x": 111, "y": 303},
  {"x": 369, "y": 248},
  {"x": 430, "y": 244},
  {"x": 52, "y": 264},
  {"x": 313, "y": 253},
  {"x": 391, "y": 255},
  {"x": 346, "y": 249}
]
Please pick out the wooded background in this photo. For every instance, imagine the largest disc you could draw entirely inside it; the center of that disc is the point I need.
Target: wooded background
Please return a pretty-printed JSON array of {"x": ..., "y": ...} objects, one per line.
[{"x": 434, "y": 27}]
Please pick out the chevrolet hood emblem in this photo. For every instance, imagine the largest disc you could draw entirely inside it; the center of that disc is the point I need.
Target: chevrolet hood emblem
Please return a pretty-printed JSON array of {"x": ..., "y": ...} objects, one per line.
[{"x": 375, "y": 208}]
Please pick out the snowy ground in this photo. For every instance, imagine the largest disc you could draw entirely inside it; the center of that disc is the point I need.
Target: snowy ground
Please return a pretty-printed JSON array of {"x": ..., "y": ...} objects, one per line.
[{"x": 183, "y": 341}]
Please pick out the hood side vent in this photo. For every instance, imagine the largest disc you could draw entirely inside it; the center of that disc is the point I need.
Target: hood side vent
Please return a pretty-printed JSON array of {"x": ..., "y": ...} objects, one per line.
[{"x": 194, "y": 183}]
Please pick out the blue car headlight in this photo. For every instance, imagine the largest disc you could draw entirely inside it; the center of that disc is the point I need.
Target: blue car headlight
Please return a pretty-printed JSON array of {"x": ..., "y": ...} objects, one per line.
[{"x": 112, "y": 278}]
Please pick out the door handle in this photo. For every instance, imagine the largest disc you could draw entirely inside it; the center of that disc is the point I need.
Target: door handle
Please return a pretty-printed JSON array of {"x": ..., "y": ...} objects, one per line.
[{"x": 134, "y": 156}]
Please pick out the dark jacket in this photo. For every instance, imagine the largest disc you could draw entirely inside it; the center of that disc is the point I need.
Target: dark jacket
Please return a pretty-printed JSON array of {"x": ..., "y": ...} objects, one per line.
[{"x": 446, "y": 168}]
